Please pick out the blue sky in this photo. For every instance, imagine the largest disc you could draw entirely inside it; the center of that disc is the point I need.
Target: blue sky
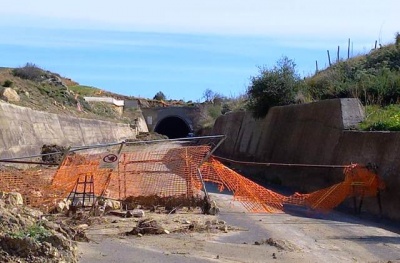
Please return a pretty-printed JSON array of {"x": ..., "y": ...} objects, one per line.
[{"x": 182, "y": 47}]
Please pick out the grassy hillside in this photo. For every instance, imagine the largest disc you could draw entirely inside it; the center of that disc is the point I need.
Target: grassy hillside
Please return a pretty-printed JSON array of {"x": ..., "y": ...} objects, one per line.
[{"x": 374, "y": 78}]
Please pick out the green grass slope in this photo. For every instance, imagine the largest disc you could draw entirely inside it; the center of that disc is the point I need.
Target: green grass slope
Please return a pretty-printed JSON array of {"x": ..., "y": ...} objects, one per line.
[{"x": 374, "y": 78}]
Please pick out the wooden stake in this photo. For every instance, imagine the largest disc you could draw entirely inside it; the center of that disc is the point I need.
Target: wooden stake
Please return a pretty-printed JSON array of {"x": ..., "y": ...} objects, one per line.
[
  {"x": 338, "y": 49},
  {"x": 348, "y": 49},
  {"x": 329, "y": 58}
]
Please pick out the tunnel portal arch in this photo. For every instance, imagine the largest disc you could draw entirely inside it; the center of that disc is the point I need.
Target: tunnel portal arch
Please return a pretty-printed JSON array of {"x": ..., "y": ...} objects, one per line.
[{"x": 173, "y": 127}]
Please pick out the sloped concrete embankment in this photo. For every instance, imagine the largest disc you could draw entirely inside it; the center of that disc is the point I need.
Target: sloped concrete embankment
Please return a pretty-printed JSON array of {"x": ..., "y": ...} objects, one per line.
[
  {"x": 314, "y": 133},
  {"x": 382, "y": 149},
  {"x": 23, "y": 131}
]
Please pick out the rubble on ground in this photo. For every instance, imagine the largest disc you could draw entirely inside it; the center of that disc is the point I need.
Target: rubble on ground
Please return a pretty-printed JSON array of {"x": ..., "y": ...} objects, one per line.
[
  {"x": 279, "y": 244},
  {"x": 26, "y": 235},
  {"x": 214, "y": 225},
  {"x": 159, "y": 204},
  {"x": 52, "y": 153},
  {"x": 148, "y": 136},
  {"x": 183, "y": 221},
  {"x": 147, "y": 226}
]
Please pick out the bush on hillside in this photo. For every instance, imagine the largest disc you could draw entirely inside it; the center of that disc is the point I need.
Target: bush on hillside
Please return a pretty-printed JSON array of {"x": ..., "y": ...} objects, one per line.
[
  {"x": 159, "y": 96},
  {"x": 211, "y": 96},
  {"x": 30, "y": 71},
  {"x": 273, "y": 87},
  {"x": 388, "y": 57},
  {"x": 8, "y": 83},
  {"x": 234, "y": 103}
]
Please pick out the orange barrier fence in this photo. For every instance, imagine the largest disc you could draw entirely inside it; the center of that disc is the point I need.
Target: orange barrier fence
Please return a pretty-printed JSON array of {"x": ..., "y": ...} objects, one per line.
[
  {"x": 74, "y": 169},
  {"x": 170, "y": 169},
  {"x": 30, "y": 183},
  {"x": 163, "y": 171},
  {"x": 359, "y": 181},
  {"x": 254, "y": 197}
]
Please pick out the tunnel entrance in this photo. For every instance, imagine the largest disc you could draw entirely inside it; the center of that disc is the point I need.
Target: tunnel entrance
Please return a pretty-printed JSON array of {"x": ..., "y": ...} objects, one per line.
[{"x": 173, "y": 127}]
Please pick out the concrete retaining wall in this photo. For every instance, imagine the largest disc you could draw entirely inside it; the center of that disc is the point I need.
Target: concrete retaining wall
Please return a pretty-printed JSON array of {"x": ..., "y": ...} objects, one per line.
[
  {"x": 23, "y": 131},
  {"x": 383, "y": 149},
  {"x": 315, "y": 133},
  {"x": 286, "y": 132}
]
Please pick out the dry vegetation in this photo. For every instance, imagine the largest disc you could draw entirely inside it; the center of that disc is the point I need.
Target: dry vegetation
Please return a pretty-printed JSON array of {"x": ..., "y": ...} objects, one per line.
[{"x": 52, "y": 93}]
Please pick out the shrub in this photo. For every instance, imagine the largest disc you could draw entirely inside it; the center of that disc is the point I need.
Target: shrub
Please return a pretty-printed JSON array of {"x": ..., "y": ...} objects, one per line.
[
  {"x": 273, "y": 87},
  {"x": 30, "y": 71},
  {"x": 214, "y": 111},
  {"x": 8, "y": 83},
  {"x": 85, "y": 105},
  {"x": 159, "y": 96},
  {"x": 225, "y": 108}
]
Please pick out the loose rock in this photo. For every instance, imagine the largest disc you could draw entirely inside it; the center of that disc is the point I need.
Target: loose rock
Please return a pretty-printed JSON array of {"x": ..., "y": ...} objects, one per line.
[
  {"x": 10, "y": 95},
  {"x": 147, "y": 226}
]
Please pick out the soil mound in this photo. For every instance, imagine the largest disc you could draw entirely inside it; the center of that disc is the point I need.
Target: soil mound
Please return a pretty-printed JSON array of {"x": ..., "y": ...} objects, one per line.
[{"x": 27, "y": 236}]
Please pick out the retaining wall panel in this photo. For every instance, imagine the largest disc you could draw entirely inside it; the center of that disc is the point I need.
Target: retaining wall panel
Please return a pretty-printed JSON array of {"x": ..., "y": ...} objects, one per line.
[
  {"x": 23, "y": 131},
  {"x": 313, "y": 133}
]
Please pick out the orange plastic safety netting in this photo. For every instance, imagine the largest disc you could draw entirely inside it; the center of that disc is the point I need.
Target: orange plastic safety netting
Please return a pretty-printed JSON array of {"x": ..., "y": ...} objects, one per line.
[
  {"x": 254, "y": 197},
  {"x": 162, "y": 170},
  {"x": 44, "y": 187},
  {"x": 359, "y": 181},
  {"x": 28, "y": 182},
  {"x": 75, "y": 169},
  {"x": 171, "y": 169}
]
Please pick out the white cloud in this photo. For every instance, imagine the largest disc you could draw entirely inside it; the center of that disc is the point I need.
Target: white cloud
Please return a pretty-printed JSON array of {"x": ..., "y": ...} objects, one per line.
[{"x": 288, "y": 18}]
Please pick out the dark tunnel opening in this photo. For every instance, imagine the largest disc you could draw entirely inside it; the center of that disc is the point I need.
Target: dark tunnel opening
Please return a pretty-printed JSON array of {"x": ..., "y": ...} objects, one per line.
[{"x": 173, "y": 127}]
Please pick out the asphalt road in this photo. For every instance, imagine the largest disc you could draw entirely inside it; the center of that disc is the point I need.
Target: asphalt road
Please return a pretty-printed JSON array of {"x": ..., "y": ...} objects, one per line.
[{"x": 299, "y": 235}]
